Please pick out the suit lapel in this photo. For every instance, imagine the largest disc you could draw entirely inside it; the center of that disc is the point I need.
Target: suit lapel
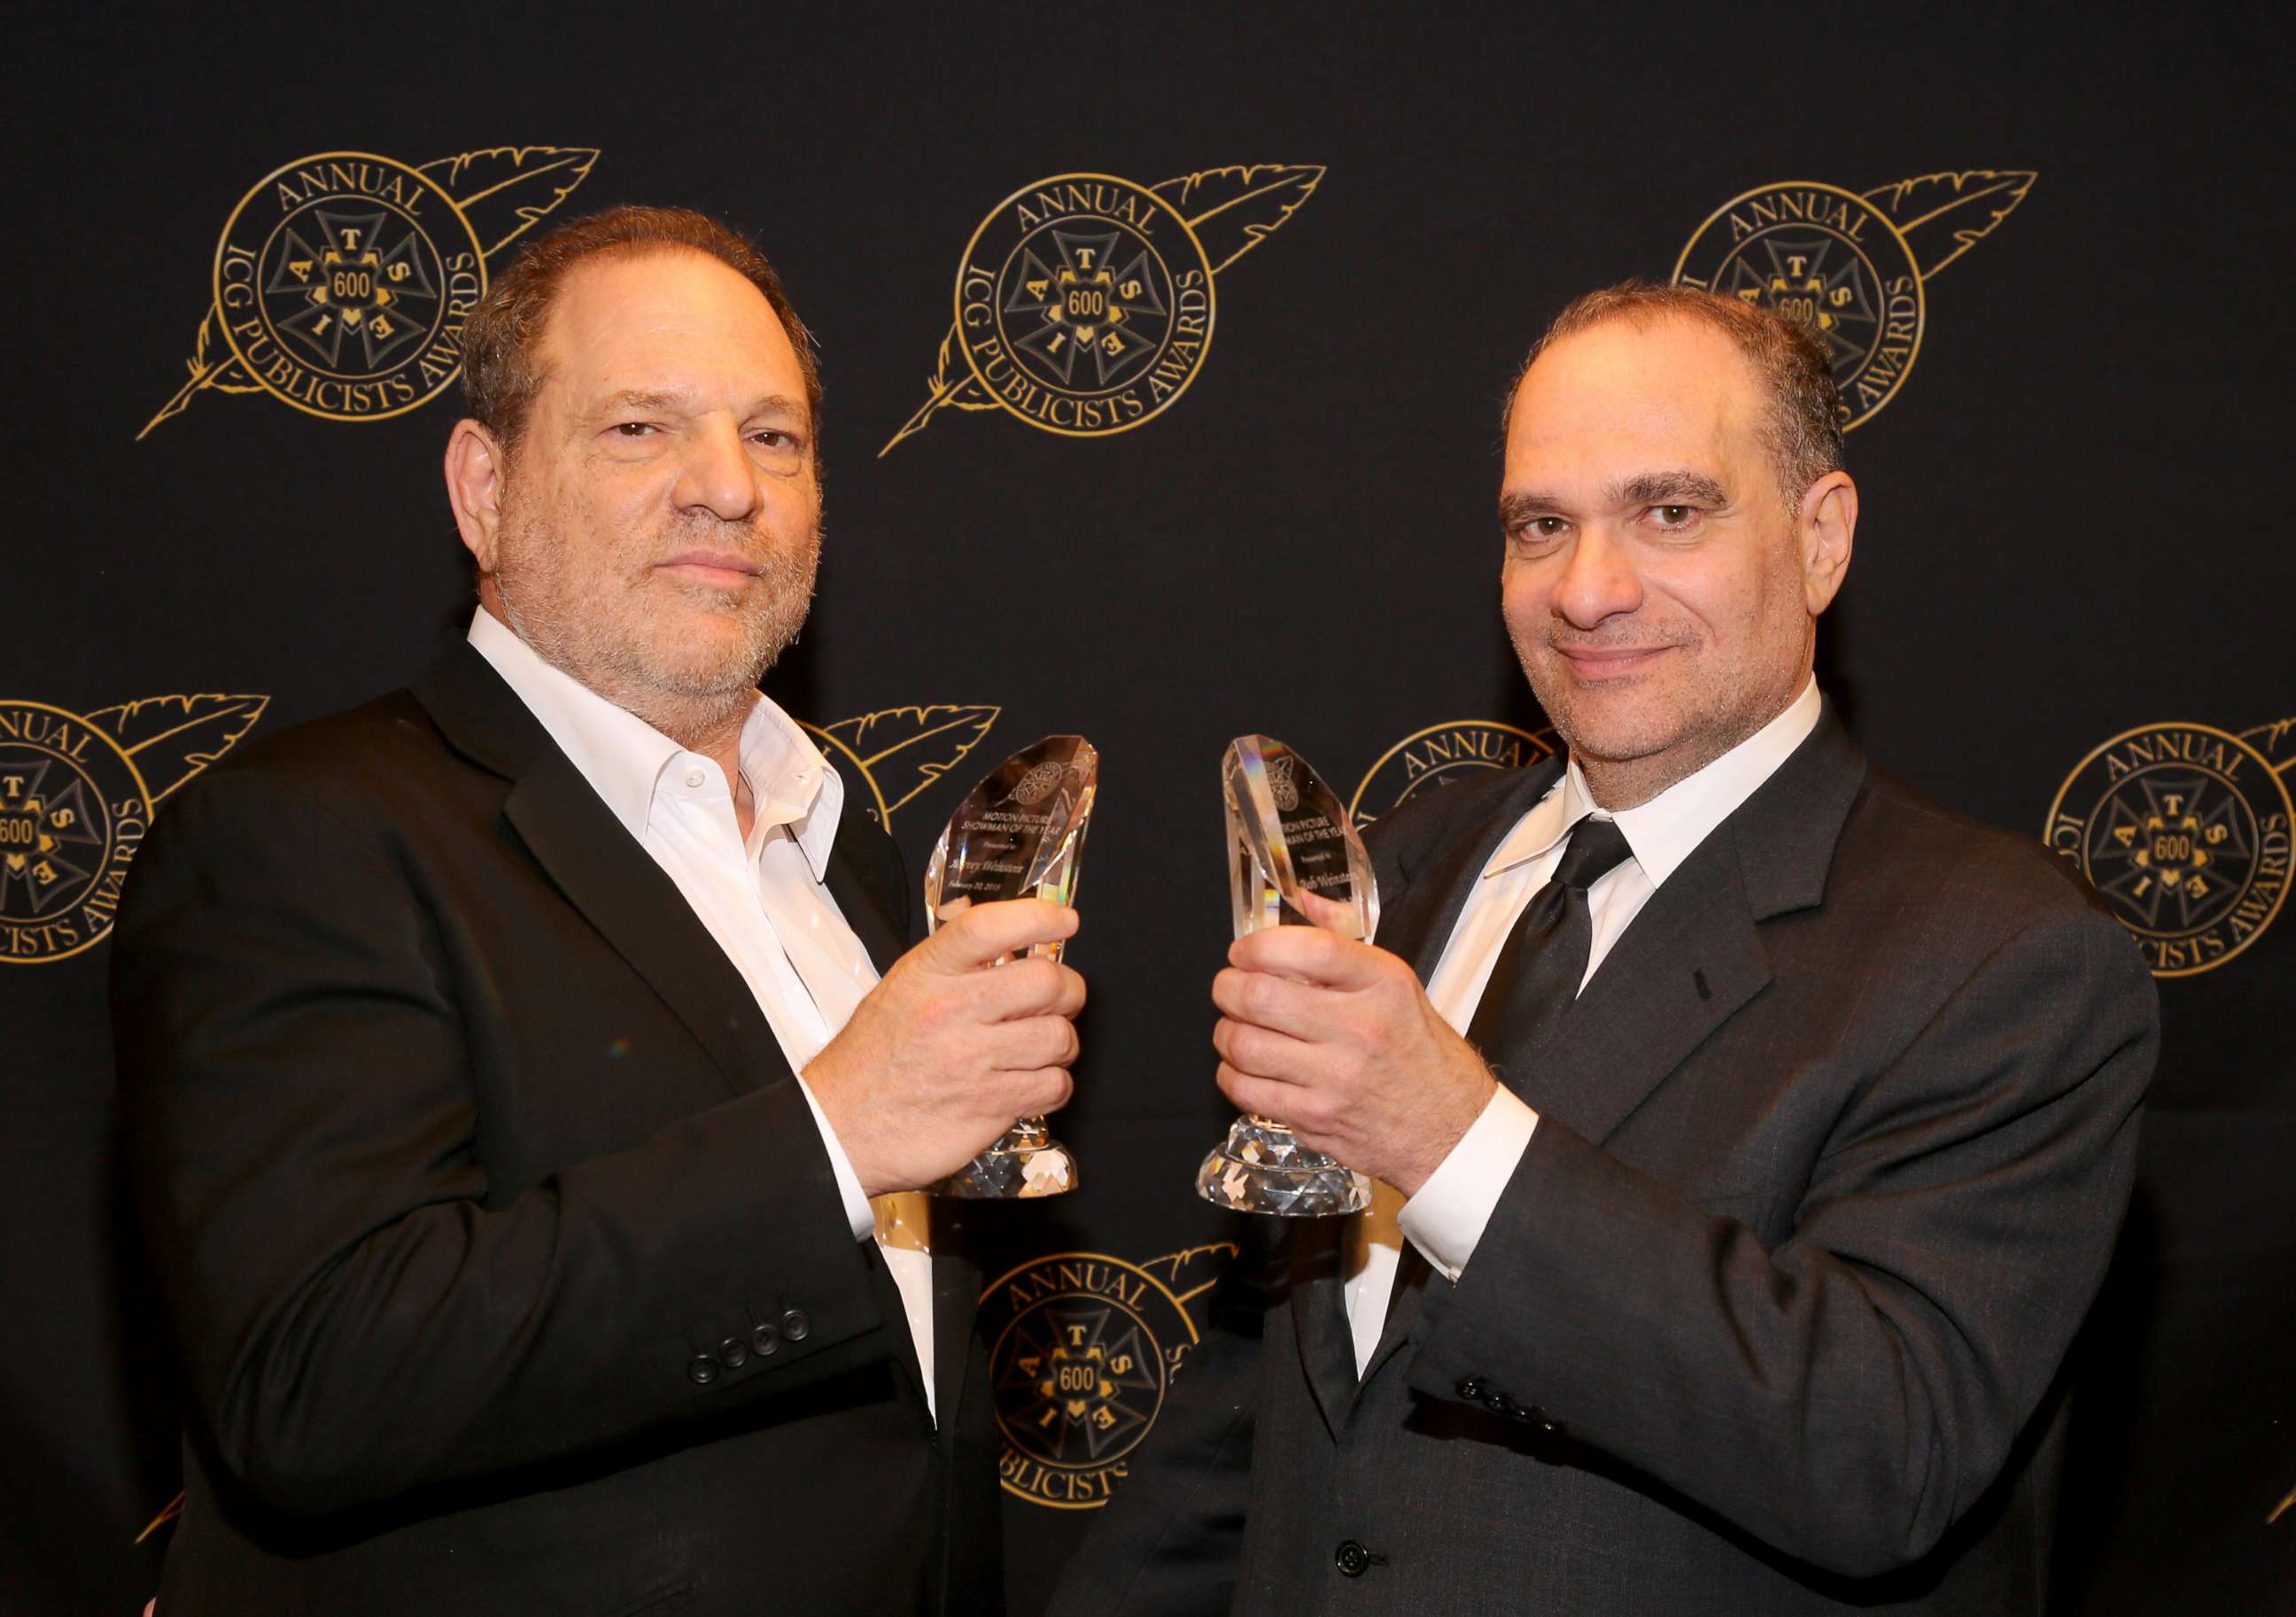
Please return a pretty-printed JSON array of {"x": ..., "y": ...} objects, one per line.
[
  {"x": 602, "y": 870},
  {"x": 1418, "y": 1301},
  {"x": 1684, "y": 967},
  {"x": 1419, "y": 923},
  {"x": 1692, "y": 956},
  {"x": 637, "y": 907},
  {"x": 1319, "y": 1317},
  {"x": 956, "y": 1301}
]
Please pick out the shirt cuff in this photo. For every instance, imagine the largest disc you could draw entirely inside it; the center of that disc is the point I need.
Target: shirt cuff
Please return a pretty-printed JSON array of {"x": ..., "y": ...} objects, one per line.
[
  {"x": 849, "y": 1183},
  {"x": 1446, "y": 1217}
]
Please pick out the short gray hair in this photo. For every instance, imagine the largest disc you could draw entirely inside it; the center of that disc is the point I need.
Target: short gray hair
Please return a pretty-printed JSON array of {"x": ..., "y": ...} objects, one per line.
[{"x": 1804, "y": 430}]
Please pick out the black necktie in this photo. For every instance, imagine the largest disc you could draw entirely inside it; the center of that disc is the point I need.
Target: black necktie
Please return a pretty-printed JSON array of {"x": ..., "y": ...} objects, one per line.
[{"x": 1539, "y": 969}]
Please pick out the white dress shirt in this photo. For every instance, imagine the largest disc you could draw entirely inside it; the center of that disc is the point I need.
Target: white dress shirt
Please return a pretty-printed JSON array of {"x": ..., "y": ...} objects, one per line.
[
  {"x": 1446, "y": 1217},
  {"x": 761, "y": 899}
]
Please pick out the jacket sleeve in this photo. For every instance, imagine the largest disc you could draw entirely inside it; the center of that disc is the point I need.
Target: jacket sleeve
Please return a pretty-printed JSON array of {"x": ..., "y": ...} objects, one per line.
[
  {"x": 1846, "y": 1395},
  {"x": 359, "y": 1313}
]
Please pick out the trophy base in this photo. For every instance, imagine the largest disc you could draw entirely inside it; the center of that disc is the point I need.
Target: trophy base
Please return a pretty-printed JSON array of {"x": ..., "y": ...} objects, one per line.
[
  {"x": 1261, "y": 1167},
  {"x": 1027, "y": 1162}
]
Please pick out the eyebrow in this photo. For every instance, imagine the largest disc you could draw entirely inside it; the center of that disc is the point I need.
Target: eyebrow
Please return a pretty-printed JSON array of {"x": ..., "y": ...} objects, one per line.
[
  {"x": 1682, "y": 487},
  {"x": 665, "y": 400}
]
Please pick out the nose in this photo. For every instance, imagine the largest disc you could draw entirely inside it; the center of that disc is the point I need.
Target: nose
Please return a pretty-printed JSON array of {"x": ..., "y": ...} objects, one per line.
[
  {"x": 1598, "y": 581},
  {"x": 716, "y": 474}
]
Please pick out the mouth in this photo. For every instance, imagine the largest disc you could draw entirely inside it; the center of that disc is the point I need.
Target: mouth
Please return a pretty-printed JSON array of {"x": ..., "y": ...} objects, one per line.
[
  {"x": 723, "y": 569},
  {"x": 1592, "y": 664}
]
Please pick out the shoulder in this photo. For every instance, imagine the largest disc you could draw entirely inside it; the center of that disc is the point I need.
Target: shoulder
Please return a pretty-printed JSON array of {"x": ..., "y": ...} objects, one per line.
[
  {"x": 1940, "y": 884},
  {"x": 1423, "y": 826},
  {"x": 383, "y": 748},
  {"x": 354, "y": 776}
]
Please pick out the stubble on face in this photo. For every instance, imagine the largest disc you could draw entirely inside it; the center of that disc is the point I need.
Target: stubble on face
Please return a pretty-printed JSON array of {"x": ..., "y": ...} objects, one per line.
[
  {"x": 682, "y": 654},
  {"x": 1655, "y": 724}
]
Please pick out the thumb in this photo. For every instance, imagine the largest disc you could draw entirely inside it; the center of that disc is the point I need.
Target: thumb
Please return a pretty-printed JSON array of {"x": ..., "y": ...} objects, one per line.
[{"x": 984, "y": 934}]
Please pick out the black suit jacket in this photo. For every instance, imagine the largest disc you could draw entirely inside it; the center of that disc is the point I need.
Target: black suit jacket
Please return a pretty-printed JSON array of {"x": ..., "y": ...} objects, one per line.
[
  {"x": 506, "y": 1266},
  {"x": 1832, "y": 1152}
]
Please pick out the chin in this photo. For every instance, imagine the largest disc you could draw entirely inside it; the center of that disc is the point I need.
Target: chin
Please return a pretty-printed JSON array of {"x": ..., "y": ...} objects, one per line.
[{"x": 1611, "y": 736}]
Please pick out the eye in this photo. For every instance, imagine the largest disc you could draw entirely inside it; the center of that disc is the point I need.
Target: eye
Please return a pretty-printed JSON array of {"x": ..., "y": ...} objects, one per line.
[
  {"x": 1675, "y": 516},
  {"x": 773, "y": 437},
  {"x": 635, "y": 430},
  {"x": 1538, "y": 532}
]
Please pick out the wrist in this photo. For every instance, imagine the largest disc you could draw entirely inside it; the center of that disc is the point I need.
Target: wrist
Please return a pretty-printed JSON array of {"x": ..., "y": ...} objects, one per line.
[{"x": 1448, "y": 1126}]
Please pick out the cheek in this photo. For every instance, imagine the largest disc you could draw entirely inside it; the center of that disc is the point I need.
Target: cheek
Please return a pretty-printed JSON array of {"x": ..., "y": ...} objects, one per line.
[{"x": 1523, "y": 596}]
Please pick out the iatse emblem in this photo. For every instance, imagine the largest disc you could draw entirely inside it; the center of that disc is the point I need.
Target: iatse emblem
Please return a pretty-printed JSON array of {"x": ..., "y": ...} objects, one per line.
[
  {"x": 1082, "y": 1350},
  {"x": 76, "y": 796},
  {"x": 2184, "y": 829},
  {"x": 342, "y": 279},
  {"x": 1852, "y": 268},
  {"x": 1444, "y": 754},
  {"x": 1084, "y": 302}
]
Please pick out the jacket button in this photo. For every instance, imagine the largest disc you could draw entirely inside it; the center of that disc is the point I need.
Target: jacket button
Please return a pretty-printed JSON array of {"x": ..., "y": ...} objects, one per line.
[
  {"x": 766, "y": 1340},
  {"x": 1351, "y": 1558},
  {"x": 702, "y": 1370},
  {"x": 794, "y": 1325},
  {"x": 733, "y": 1352},
  {"x": 1471, "y": 1389}
]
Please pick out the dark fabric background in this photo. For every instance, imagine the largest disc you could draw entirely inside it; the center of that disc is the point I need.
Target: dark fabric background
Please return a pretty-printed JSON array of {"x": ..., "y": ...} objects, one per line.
[{"x": 2073, "y": 526}]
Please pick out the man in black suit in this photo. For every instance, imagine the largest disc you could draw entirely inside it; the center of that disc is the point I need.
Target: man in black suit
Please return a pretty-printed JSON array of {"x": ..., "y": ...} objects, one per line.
[
  {"x": 1752, "y": 1132},
  {"x": 509, "y": 1065}
]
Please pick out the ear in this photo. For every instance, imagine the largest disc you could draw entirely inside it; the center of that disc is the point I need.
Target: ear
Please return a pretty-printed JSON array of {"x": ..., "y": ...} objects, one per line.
[
  {"x": 476, "y": 465},
  {"x": 1827, "y": 529}
]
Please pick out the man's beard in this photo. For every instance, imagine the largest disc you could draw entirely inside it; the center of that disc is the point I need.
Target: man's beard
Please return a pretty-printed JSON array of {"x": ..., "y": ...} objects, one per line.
[{"x": 673, "y": 687}]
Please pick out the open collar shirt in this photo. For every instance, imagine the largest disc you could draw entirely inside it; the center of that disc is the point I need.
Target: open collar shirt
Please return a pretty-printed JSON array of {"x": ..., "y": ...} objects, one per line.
[{"x": 762, "y": 898}]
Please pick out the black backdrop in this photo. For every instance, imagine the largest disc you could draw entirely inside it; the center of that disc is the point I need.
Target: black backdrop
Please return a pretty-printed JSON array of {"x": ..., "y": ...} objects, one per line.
[{"x": 2073, "y": 530}]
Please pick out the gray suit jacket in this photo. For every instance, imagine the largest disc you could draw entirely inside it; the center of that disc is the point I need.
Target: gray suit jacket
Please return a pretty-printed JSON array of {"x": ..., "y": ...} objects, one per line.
[{"x": 1832, "y": 1150}]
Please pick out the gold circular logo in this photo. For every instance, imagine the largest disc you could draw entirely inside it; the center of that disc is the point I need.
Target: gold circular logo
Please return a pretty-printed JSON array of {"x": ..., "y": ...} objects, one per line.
[
  {"x": 1830, "y": 259},
  {"x": 1084, "y": 305},
  {"x": 1082, "y": 1349},
  {"x": 1444, "y": 754},
  {"x": 72, "y": 808},
  {"x": 342, "y": 282},
  {"x": 2184, "y": 830}
]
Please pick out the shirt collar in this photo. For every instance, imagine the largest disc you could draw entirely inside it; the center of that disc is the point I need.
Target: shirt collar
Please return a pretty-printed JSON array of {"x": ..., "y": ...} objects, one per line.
[
  {"x": 624, "y": 758},
  {"x": 1666, "y": 830}
]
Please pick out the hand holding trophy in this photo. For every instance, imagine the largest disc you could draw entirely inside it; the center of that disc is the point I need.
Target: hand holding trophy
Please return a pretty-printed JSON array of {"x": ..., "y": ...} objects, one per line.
[
  {"x": 1019, "y": 834},
  {"x": 1294, "y": 859}
]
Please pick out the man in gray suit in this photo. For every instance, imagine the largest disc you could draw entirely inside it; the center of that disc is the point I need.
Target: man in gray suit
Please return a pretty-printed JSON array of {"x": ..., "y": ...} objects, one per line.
[{"x": 1752, "y": 1132}]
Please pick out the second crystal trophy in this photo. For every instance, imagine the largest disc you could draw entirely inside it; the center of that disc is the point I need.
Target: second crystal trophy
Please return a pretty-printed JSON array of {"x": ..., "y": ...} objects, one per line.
[
  {"x": 1294, "y": 859},
  {"x": 1020, "y": 834}
]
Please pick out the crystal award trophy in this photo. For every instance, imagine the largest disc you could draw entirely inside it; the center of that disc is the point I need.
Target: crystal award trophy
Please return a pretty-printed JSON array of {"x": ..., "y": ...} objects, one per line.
[
  {"x": 1294, "y": 859},
  {"x": 1019, "y": 835}
]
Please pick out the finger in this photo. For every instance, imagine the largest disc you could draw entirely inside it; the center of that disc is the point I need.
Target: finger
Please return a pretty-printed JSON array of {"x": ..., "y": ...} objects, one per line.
[
  {"x": 1310, "y": 955},
  {"x": 1032, "y": 987},
  {"x": 1070, "y": 1000},
  {"x": 1056, "y": 1090},
  {"x": 1265, "y": 1053},
  {"x": 984, "y": 934},
  {"x": 1035, "y": 1091},
  {"x": 1277, "y": 1003},
  {"x": 1286, "y": 1103},
  {"x": 1039, "y": 1041},
  {"x": 1331, "y": 914}
]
